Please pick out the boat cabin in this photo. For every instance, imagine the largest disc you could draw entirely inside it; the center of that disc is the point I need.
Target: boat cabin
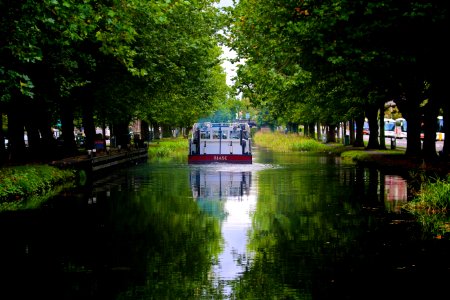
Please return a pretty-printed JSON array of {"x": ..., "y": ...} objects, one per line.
[{"x": 228, "y": 140}]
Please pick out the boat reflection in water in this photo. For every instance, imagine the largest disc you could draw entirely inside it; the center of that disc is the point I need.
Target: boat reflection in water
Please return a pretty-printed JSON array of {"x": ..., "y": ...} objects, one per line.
[
  {"x": 219, "y": 185},
  {"x": 228, "y": 196}
]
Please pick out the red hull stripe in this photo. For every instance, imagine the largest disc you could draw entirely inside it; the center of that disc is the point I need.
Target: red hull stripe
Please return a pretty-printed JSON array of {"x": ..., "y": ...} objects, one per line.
[{"x": 224, "y": 158}]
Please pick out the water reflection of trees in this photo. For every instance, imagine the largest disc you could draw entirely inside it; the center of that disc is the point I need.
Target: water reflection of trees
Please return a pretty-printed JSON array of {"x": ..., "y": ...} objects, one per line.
[
  {"x": 306, "y": 224},
  {"x": 160, "y": 244}
]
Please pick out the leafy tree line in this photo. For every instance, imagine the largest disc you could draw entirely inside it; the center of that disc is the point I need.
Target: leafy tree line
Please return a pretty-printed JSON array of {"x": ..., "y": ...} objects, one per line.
[
  {"x": 323, "y": 62},
  {"x": 96, "y": 63}
]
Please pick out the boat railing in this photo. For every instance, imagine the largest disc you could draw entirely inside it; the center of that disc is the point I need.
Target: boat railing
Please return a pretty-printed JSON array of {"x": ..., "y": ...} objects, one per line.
[{"x": 207, "y": 125}]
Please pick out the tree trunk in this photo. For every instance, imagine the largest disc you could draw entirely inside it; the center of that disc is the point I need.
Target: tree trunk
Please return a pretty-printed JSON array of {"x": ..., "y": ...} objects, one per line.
[
  {"x": 156, "y": 132},
  {"x": 413, "y": 142},
  {"x": 145, "y": 132},
  {"x": 16, "y": 122},
  {"x": 121, "y": 134},
  {"x": 446, "y": 116},
  {"x": 372, "y": 116},
  {"x": 88, "y": 125},
  {"x": 311, "y": 130},
  {"x": 352, "y": 131},
  {"x": 319, "y": 132},
  {"x": 166, "y": 131},
  {"x": 306, "y": 130},
  {"x": 69, "y": 145},
  {"x": 331, "y": 133},
  {"x": 2, "y": 140},
  {"x": 48, "y": 141},
  {"x": 410, "y": 108},
  {"x": 430, "y": 126},
  {"x": 382, "y": 135}
]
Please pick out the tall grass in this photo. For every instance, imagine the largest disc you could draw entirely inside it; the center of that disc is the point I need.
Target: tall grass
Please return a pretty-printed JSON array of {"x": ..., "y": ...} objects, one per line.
[
  {"x": 290, "y": 142},
  {"x": 168, "y": 149},
  {"x": 431, "y": 206},
  {"x": 433, "y": 196}
]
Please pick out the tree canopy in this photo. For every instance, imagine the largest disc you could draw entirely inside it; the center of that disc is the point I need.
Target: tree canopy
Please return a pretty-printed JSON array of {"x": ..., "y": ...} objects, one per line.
[
  {"x": 331, "y": 61},
  {"x": 317, "y": 63},
  {"x": 91, "y": 63}
]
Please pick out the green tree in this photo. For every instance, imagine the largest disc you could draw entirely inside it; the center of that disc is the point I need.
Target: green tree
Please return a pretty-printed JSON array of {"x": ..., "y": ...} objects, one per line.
[
  {"x": 366, "y": 48},
  {"x": 106, "y": 63}
]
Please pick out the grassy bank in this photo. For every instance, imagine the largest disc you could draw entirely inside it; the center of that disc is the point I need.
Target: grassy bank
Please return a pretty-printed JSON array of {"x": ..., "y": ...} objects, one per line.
[
  {"x": 290, "y": 142},
  {"x": 28, "y": 186},
  {"x": 434, "y": 196},
  {"x": 369, "y": 156},
  {"x": 24, "y": 187},
  {"x": 431, "y": 206},
  {"x": 168, "y": 149}
]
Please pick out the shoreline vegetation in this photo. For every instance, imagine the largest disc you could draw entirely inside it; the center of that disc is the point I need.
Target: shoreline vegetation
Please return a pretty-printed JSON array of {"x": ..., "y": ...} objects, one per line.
[
  {"x": 168, "y": 150},
  {"x": 28, "y": 186}
]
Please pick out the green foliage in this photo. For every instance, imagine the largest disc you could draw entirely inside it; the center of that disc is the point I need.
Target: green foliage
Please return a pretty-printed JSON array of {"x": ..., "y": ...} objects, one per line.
[
  {"x": 361, "y": 155},
  {"x": 433, "y": 196},
  {"x": 19, "y": 184},
  {"x": 320, "y": 60},
  {"x": 156, "y": 60},
  {"x": 356, "y": 155},
  {"x": 281, "y": 142},
  {"x": 169, "y": 150},
  {"x": 431, "y": 205}
]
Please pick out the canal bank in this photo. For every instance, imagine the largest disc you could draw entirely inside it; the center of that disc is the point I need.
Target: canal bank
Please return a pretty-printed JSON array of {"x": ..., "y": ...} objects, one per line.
[
  {"x": 103, "y": 161},
  {"x": 394, "y": 161},
  {"x": 25, "y": 186}
]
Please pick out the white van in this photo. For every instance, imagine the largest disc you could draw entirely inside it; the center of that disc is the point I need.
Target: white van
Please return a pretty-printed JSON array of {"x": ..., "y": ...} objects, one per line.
[{"x": 389, "y": 127}]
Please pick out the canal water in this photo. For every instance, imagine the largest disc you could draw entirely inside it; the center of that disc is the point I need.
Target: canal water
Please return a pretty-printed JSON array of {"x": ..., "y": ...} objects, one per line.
[{"x": 288, "y": 226}]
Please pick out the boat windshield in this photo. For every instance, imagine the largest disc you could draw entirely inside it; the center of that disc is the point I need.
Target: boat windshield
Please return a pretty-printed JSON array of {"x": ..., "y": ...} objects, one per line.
[
  {"x": 217, "y": 133},
  {"x": 234, "y": 134},
  {"x": 204, "y": 135}
]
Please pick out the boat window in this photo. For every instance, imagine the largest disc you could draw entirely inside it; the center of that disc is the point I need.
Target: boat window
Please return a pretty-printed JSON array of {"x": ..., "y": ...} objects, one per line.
[
  {"x": 205, "y": 135},
  {"x": 216, "y": 134},
  {"x": 234, "y": 134},
  {"x": 224, "y": 134}
]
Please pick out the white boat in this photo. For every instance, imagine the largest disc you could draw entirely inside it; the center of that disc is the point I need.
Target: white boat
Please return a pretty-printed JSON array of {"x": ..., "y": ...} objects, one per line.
[{"x": 220, "y": 142}]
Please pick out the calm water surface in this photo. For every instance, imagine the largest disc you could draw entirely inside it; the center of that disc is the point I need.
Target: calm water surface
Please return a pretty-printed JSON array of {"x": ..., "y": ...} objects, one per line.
[{"x": 285, "y": 227}]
